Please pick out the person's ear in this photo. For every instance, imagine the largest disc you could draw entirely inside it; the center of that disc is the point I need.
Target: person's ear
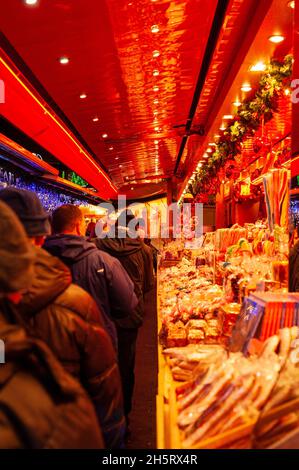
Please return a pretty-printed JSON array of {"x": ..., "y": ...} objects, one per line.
[{"x": 78, "y": 228}]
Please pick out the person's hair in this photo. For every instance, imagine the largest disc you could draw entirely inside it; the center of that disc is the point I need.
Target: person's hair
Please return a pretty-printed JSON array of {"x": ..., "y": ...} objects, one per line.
[{"x": 65, "y": 218}]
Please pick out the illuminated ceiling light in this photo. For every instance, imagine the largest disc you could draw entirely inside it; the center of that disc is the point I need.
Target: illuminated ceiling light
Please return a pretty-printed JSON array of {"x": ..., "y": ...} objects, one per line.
[
  {"x": 212, "y": 143},
  {"x": 276, "y": 38},
  {"x": 287, "y": 91},
  {"x": 104, "y": 136},
  {"x": 155, "y": 28},
  {"x": 228, "y": 116},
  {"x": 156, "y": 101},
  {"x": 95, "y": 119},
  {"x": 209, "y": 150},
  {"x": 156, "y": 73},
  {"x": 237, "y": 103},
  {"x": 291, "y": 4},
  {"x": 216, "y": 136},
  {"x": 132, "y": 189},
  {"x": 111, "y": 148},
  {"x": 205, "y": 155},
  {"x": 120, "y": 166},
  {"x": 31, "y": 2},
  {"x": 258, "y": 67},
  {"x": 156, "y": 142},
  {"x": 116, "y": 158},
  {"x": 83, "y": 96},
  {"x": 156, "y": 54},
  {"x": 246, "y": 87},
  {"x": 156, "y": 113},
  {"x": 64, "y": 60},
  {"x": 222, "y": 128},
  {"x": 199, "y": 165},
  {"x": 156, "y": 88},
  {"x": 157, "y": 129}
]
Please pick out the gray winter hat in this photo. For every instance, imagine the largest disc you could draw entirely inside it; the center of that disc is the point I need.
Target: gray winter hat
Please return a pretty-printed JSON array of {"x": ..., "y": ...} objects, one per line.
[
  {"x": 29, "y": 209},
  {"x": 16, "y": 253}
]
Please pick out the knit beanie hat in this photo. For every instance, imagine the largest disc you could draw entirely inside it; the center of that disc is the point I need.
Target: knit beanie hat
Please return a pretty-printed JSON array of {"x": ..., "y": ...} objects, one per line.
[
  {"x": 16, "y": 253},
  {"x": 29, "y": 209}
]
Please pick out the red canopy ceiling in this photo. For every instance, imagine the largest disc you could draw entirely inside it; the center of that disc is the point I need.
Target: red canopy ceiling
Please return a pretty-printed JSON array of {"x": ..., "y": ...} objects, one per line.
[
  {"x": 110, "y": 45},
  {"x": 116, "y": 59}
]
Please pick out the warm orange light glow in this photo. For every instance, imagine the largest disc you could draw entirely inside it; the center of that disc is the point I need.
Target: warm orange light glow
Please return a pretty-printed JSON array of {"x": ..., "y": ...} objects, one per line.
[
  {"x": 276, "y": 38},
  {"x": 246, "y": 87},
  {"x": 64, "y": 60},
  {"x": 155, "y": 28},
  {"x": 258, "y": 67}
]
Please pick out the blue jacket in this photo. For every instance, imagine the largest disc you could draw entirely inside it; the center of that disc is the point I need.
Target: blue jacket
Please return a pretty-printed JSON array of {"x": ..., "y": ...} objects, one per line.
[{"x": 99, "y": 274}]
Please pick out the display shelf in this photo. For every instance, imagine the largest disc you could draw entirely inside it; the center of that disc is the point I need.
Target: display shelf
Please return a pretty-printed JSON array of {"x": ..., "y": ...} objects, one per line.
[{"x": 169, "y": 436}]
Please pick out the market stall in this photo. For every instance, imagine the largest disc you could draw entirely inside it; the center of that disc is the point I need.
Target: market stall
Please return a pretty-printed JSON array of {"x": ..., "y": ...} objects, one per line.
[
  {"x": 228, "y": 326},
  {"x": 228, "y": 352}
]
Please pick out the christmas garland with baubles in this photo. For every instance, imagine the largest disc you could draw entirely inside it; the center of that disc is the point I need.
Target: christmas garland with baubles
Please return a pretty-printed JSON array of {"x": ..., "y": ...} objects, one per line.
[{"x": 248, "y": 119}]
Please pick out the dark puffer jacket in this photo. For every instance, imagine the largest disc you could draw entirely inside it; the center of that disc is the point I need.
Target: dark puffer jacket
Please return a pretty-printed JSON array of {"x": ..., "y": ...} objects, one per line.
[
  {"x": 68, "y": 320},
  {"x": 99, "y": 274},
  {"x": 137, "y": 260},
  {"x": 41, "y": 406}
]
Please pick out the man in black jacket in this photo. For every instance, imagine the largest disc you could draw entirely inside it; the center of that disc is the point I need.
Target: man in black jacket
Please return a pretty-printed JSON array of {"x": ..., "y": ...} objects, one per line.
[
  {"x": 137, "y": 260},
  {"x": 68, "y": 320},
  {"x": 96, "y": 272},
  {"x": 41, "y": 406}
]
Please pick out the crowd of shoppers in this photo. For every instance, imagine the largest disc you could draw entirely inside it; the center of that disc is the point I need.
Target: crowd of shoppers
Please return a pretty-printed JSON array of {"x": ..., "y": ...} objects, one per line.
[{"x": 70, "y": 310}]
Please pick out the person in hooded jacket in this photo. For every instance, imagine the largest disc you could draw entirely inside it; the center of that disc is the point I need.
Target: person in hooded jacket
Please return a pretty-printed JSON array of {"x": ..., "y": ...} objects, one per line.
[
  {"x": 96, "y": 272},
  {"x": 124, "y": 244},
  {"x": 41, "y": 405},
  {"x": 69, "y": 321}
]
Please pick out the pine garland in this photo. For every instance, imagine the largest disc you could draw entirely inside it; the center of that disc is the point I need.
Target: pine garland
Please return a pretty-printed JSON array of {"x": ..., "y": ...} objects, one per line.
[{"x": 247, "y": 120}]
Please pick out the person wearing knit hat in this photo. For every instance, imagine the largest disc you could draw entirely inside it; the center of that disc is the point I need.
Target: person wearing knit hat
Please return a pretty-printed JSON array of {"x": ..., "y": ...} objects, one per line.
[
  {"x": 63, "y": 315},
  {"x": 16, "y": 254},
  {"x": 41, "y": 406},
  {"x": 30, "y": 211}
]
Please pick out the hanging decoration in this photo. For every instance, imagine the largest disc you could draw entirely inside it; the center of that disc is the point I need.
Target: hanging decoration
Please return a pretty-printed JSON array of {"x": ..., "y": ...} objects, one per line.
[{"x": 251, "y": 114}]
